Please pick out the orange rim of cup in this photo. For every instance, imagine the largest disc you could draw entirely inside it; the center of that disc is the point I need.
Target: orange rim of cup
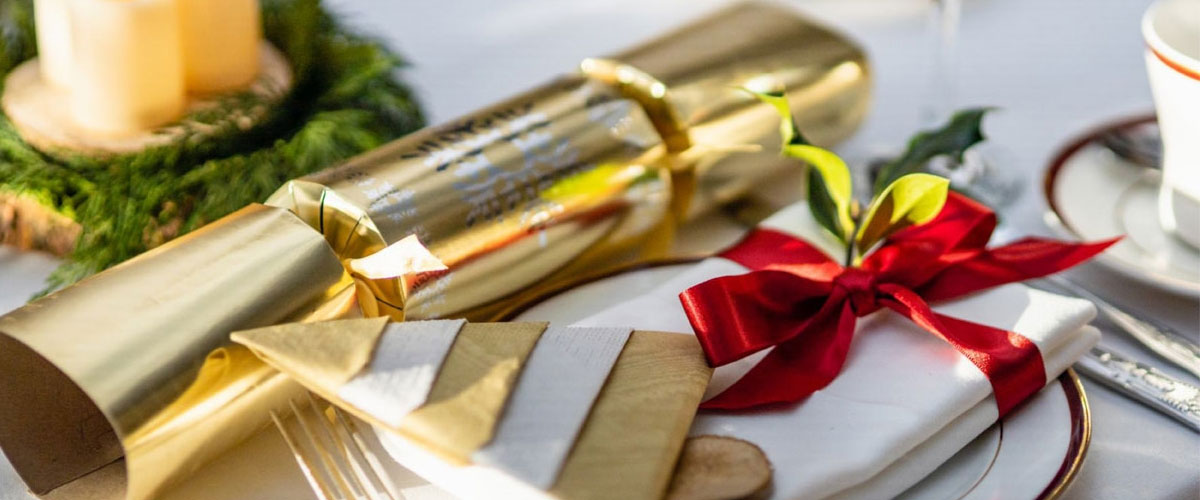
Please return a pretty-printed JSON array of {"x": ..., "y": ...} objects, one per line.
[
  {"x": 1163, "y": 51},
  {"x": 1180, "y": 68}
]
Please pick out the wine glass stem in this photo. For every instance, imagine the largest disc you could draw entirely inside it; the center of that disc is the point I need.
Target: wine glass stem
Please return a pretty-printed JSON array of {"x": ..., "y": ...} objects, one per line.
[{"x": 940, "y": 97}]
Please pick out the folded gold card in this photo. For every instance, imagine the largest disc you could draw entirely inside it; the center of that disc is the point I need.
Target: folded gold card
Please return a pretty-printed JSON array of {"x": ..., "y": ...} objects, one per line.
[{"x": 624, "y": 444}]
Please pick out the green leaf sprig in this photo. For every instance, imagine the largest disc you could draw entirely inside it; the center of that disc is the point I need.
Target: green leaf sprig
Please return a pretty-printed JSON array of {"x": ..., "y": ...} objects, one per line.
[
  {"x": 904, "y": 196},
  {"x": 830, "y": 189}
]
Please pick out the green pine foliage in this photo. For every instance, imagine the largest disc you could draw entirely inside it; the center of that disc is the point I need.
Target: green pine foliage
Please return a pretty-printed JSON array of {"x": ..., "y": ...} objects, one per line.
[{"x": 346, "y": 100}]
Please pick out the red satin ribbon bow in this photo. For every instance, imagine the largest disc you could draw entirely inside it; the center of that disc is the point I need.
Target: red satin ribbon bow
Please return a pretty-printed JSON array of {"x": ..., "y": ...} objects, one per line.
[{"x": 798, "y": 300}]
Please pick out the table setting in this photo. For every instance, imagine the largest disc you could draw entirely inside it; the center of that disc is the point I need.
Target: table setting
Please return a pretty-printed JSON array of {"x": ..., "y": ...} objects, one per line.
[{"x": 347, "y": 249}]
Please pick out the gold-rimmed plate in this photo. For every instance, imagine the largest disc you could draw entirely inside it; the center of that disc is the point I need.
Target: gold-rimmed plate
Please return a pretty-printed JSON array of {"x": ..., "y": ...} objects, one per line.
[{"x": 1034, "y": 453}]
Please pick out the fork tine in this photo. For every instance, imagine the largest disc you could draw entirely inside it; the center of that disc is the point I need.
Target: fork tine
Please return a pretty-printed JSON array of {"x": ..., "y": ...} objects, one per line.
[
  {"x": 354, "y": 469},
  {"x": 373, "y": 469},
  {"x": 345, "y": 468},
  {"x": 318, "y": 484},
  {"x": 331, "y": 466}
]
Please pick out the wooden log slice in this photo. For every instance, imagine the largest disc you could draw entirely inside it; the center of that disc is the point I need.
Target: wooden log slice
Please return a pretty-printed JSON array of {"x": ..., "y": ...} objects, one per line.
[{"x": 720, "y": 468}]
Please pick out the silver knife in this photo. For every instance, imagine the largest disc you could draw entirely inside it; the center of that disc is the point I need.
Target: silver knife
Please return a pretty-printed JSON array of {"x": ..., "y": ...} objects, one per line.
[
  {"x": 1164, "y": 341},
  {"x": 1173, "y": 397}
]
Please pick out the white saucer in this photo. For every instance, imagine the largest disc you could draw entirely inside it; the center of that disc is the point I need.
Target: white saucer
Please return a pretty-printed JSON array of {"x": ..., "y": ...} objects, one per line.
[{"x": 1093, "y": 194}]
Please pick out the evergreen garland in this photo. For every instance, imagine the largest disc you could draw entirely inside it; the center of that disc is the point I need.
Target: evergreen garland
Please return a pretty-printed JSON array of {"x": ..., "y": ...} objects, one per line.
[{"x": 346, "y": 100}]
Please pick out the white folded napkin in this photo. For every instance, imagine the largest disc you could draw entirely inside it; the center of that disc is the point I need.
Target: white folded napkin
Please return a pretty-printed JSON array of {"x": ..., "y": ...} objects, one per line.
[{"x": 905, "y": 401}]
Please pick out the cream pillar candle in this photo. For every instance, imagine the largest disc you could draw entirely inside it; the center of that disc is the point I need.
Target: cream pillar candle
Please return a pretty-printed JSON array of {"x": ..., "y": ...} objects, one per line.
[
  {"x": 53, "y": 21},
  {"x": 128, "y": 58},
  {"x": 220, "y": 43}
]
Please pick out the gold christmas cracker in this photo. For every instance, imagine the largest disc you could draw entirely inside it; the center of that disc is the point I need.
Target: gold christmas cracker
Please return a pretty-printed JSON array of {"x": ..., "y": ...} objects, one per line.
[
  {"x": 563, "y": 182},
  {"x": 591, "y": 171}
]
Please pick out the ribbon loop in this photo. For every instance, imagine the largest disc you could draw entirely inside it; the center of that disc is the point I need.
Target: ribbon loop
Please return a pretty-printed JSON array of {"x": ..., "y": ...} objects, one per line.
[{"x": 762, "y": 319}]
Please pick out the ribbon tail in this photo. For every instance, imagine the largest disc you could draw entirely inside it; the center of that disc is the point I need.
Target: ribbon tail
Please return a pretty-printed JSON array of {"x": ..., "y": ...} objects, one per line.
[
  {"x": 795, "y": 369},
  {"x": 1011, "y": 362},
  {"x": 1022, "y": 260}
]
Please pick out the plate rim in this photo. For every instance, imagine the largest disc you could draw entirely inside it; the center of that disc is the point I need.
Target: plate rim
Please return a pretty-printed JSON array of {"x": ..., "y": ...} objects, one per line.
[
  {"x": 1058, "y": 222},
  {"x": 1077, "y": 403},
  {"x": 1081, "y": 436}
]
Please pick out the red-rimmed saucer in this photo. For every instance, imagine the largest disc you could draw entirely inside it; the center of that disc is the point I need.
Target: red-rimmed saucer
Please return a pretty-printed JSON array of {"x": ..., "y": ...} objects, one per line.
[{"x": 1094, "y": 194}]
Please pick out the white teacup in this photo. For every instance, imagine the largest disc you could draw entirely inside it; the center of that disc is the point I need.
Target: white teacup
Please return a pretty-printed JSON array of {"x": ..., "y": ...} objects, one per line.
[{"x": 1172, "y": 32}]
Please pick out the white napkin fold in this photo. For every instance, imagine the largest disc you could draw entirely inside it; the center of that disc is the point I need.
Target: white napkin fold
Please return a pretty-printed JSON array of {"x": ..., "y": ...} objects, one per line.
[{"x": 902, "y": 394}]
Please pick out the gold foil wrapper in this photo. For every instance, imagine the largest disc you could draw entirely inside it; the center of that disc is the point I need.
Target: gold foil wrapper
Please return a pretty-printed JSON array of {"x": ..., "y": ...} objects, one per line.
[
  {"x": 555, "y": 180},
  {"x": 591, "y": 171},
  {"x": 137, "y": 362}
]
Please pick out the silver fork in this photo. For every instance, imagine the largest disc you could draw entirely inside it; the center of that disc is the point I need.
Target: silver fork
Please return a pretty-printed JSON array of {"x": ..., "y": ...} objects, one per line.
[{"x": 331, "y": 452}]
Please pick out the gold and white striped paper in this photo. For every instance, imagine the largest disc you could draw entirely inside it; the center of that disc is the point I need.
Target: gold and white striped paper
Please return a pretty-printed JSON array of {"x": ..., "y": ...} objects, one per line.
[{"x": 560, "y": 412}]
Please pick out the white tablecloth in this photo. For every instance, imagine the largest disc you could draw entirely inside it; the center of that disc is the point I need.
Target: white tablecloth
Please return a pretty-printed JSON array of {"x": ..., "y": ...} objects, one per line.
[{"x": 1054, "y": 69}]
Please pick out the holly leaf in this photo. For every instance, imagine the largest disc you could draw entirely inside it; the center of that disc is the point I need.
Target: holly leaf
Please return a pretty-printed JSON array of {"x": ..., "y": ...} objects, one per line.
[
  {"x": 830, "y": 192},
  {"x": 953, "y": 139},
  {"x": 912, "y": 200}
]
